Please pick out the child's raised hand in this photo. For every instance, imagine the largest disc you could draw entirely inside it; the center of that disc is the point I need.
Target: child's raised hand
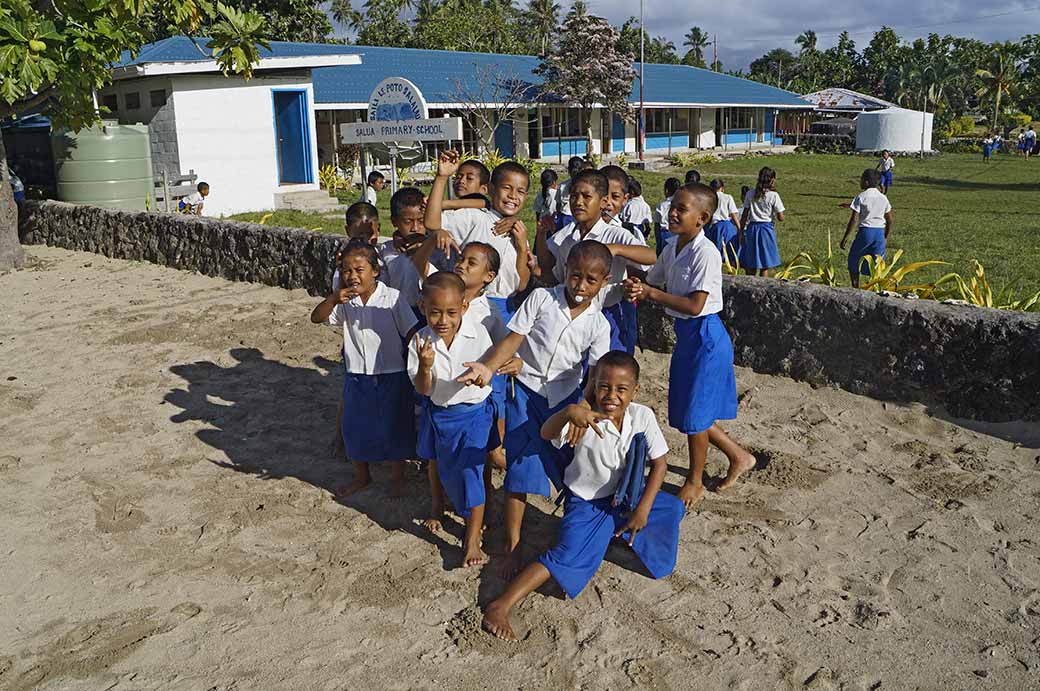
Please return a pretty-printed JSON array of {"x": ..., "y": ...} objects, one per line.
[
  {"x": 426, "y": 352},
  {"x": 582, "y": 418},
  {"x": 478, "y": 374},
  {"x": 511, "y": 368},
  {"x": 443, "y": 241},
  {"x": 447, "y": 163},
  {"x": 636, "y": 521},
  {"x": 532, "y": 264},
  {"x": 546, "y": 224},
  {"x": 504, "y": 226},
  {"x": 634, "y": 289}
]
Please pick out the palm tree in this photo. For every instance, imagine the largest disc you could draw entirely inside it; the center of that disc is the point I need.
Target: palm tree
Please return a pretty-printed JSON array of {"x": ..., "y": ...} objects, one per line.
[
  {"x": 909, "y": 84},
  {"x": 807, "y": 41},
  {"x": 697, "y": 40},
  {"x": 424, "y": 10},
  {"x": 1002, "y": 76},
  {"x": 344, "y": 13},
  {"x": 544, "y": 18}
]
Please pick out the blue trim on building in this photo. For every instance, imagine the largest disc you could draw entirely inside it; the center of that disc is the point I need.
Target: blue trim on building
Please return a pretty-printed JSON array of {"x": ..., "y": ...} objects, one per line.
[
  {"x": 658, "y": 142},
  {"x": 617, "y": 134},
  {"x": 568, "y": 146}
]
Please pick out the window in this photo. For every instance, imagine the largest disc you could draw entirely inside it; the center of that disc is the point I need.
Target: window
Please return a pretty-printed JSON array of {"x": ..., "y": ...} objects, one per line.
[
  {"x": 111, "y": 102},
  {"x": 561, "y": 122},
  {"x": 657, "y": 120},
  {"x": 157, "y": 98},
  {"x": 133, "y": 101},
  {"x": 740, "y": 118}
]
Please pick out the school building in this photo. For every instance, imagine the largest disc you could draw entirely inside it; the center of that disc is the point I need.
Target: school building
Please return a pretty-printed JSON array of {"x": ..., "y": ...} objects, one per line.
[{"x": 260, "y": 142}]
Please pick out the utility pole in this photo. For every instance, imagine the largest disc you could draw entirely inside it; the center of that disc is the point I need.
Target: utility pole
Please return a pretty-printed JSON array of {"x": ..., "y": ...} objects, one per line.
[
  {"x": 715, "y": 52},
  {"x": 641, "y": 141},
  {"x": 779, "y": 70}
]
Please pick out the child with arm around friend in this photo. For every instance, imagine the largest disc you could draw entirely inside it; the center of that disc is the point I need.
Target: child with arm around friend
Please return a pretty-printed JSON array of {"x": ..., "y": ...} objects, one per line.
[
  {"x": 379, "y": 423},
  {"x": 872, "y": 219},
  {"x": 460, "y": 417},
  {"x": 552, "y": 332},
  {"x": 605, "y": 461},
  {"x": 702, "y": 385}
]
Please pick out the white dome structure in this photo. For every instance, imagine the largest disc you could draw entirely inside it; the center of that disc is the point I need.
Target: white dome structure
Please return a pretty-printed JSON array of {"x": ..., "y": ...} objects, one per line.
[{"x": 895, "y": 129}]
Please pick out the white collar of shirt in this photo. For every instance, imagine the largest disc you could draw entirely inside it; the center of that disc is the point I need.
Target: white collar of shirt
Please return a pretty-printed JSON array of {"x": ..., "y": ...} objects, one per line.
[{"x": 373, "y": 299}]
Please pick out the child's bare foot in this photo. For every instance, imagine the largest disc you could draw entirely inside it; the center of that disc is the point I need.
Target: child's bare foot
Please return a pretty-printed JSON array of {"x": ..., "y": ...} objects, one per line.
[
  {"x": 473, "y": 557},
  {"x": 433, "y": 524},
  {"x": 496, "y": 622},
  {"x": 498, "y": 458},
  {"x": 690, "y": 494},
  {"x": 354, "y": 486},
  {"x": 737, "y": 468}
]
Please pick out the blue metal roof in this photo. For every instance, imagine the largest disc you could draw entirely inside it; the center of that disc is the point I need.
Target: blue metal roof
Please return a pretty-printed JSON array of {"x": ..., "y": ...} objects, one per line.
[
  {"x": 435, "y": 73},
  {"x": 182, "y": 49}
]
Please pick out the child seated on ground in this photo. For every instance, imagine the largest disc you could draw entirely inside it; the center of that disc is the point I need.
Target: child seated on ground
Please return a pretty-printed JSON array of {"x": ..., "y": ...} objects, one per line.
[
  {"x": 192, "y": 204},
  {"x": 379, "y": 426},
  {"x": 459, "y": 418},
  {"x": 872, "y": 217},
  {"x": 554, "y": 332},
  {"x": 702, "y": 386},
  {"x": 610, "y": 444},
  {"x": 375, "y": 184}
]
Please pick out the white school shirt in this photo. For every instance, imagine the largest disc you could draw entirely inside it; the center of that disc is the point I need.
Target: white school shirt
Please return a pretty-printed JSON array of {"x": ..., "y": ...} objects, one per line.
[
  {"x": 1031, "y": 135},
  {"x": 561, "y": 243},
  {"x": 887, "y": 164},
  {"x": 373, "y": 334},
  {"x": 661, "y": 213},
  {"x": 482, "y": 312},
  {"x": 726, "y": 207},
  {"x": 402, "y": 276},
  {"x": 371, "y": 196},
  {"x": 697, "y": 268},
  {"x": 636, "y": 211},
  {"x": 636, "y": 231},
  {"x": 599, "y": 462},
  {"x": 554, "y": 343},
  {"x": 478, "y": 225},
  {"x": 470, "y": 344},
  {"x": 871, "y": 205},
  {"x": 563, "y": 197},
  {"x": 765, "y": 208},
  {"x": 545, "y": 207}
]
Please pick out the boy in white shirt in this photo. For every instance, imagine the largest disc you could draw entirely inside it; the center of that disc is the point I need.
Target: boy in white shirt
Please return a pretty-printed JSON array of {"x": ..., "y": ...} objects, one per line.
[
  {"x": 575, "y": 165},
  {"x": 872, "y": 216},
  {"x": 553, "y": 332},
  {"x": 376, "y": 182},
  {"x": 886, "y": 165},
  {"x": 192, "y": 204},
  {"x": 610, "y": 443},
  {"x": 459, "y": 418}
]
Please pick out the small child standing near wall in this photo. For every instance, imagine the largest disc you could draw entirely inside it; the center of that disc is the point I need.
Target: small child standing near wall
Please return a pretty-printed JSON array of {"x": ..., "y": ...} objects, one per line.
[
  {"x": 379, "y": 422},
  {"x": 702, "y": 386},
  {"x": 192, "y": 204},
  {"x": 757, "y": 235},
  {"x": 886, "y": 166},
  {"x": 375, "y": 184},
  {"x": 872, "y": 217}
]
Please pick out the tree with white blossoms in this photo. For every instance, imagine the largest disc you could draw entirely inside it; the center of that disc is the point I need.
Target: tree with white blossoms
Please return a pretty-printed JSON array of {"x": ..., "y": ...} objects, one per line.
[{"x": 586, "y": 69}]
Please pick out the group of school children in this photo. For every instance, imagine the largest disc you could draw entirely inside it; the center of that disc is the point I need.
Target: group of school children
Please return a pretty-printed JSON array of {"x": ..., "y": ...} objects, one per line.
[{"x": 465, "y": 347}]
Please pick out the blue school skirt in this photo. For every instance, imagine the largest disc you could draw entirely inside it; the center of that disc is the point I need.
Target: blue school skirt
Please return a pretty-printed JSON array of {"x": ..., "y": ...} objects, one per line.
[
  {"x": 886, "y": 178},
  {"x": 500, "y": 382},
  {"x": 868, "y": 242},
  {"x": 986, "y": 150},
  {"x": 379, "y": 417},
  {"x": 624, "y": 331},
  {"x": 702, "y": 385},
  {"x": 459, "y": 437},
  {"x": 724, "y": 235},
  {"x": 588, "y": 527},
  {"x": 759, "y": 250},
  {"x": 532, "y": 464}
]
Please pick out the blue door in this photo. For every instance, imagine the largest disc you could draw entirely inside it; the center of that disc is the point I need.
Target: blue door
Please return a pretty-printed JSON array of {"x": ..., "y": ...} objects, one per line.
[
  {"x": 293, "y": 136},
  {"x": 504, "y": 138},
  {"x": 617, "y": 142}
]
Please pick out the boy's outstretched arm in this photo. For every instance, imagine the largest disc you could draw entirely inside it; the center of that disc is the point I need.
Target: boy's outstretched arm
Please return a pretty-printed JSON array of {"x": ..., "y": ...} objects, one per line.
[
  {"x": 481, "y": 371},
  {"x": 636, "y": 254},
  {"x": 638, "y": 518},
  {"x": 422, "y": 256},
  {"x": 579, "y": 417},
  {"x": 546, "y": 260},
  {"x": 692, "y": 304},
  {"x": 447, "y": 165}
]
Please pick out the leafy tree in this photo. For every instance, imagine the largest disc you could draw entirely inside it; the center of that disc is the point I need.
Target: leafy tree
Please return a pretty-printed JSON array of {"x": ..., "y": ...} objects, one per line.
[
  {"x": 696, "y": 40},
  {"x": 542, "y": 18},
  {"x": 807, "y": 41},
  {"x": 569, "y": 74},
  {"x": 655, "y": 49},
  {"x": 54, "y": 55},
  {"x": 774, "y": 66},
  {"x": 480, "y": 29},
  {"x": 381, "y": 24},
  {"x": 883, "y": 57},
  {"x": 1001, "y": 76},
  {"x": 284, "y": 20}
]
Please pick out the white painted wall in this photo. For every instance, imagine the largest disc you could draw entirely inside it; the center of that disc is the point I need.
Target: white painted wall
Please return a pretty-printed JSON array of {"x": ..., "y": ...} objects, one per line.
[
  {"x": 226, "y": 134},
  {"x": 707, "y": 139}
]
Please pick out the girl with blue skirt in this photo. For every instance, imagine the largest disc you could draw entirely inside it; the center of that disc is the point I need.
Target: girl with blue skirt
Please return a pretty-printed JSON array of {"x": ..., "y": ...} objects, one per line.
[
  {"x": 702, "y": 386},
  {"x": 379, "y": 423},
  {"x": 458, "y": 420},
  {"x": 757, "y": 235},
  {"x": 872, "y": 217},
  {"x": 609, "y": 443},
  {"x": 723, "y": 229}
]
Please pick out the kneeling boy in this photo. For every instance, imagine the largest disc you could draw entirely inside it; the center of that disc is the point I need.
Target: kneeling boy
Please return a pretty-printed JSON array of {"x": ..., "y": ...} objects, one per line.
[{"x": 605, "y": 494}]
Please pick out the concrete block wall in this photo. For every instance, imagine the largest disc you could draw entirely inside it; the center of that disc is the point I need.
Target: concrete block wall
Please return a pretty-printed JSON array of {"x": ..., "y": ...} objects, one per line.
[{"x": 162, "y": 135}]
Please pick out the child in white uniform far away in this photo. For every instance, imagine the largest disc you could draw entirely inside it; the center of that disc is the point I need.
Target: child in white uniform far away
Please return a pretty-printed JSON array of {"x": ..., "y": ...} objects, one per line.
[
  {"x": 611, "y": 441},
  {"x": 375, "y": 184},
  {"x": 872, "y": 219}
]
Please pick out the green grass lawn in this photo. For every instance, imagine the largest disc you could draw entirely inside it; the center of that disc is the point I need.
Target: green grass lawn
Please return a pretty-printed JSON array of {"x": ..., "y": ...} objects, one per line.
[{"x": 953, "y": 208}]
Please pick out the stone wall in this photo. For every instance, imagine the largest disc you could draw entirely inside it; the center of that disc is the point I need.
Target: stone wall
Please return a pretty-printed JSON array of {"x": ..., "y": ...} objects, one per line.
[{"x": 976, "y": 363}]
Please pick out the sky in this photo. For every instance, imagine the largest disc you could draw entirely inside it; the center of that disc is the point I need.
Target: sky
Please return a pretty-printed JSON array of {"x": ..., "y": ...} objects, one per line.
[{"x": 750, "y": 28}]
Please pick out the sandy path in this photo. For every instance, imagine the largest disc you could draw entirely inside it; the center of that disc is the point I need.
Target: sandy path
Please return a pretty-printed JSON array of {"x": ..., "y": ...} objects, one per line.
[{"x": 167, "y": 524}]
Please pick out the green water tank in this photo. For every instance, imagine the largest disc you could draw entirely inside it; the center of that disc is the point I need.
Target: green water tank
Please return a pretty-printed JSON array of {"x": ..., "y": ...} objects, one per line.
[{"x": 106, "y": 165}]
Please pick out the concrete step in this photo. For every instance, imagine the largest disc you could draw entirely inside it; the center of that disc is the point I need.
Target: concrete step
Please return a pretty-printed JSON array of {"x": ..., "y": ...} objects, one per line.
[{"x": 316, "y": 201}]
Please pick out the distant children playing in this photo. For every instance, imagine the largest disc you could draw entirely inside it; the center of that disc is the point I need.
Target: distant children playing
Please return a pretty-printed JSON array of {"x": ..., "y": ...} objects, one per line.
[
  {"x": 723, "y": 229},
  {"x": 192, "y": 204},
  {"x": 886, "y": 166},
  {"x": 379, "y": 422},
  {"x": 375, "y": 184},
  {"x": 460, "y": 418},
  {"x": 759, "y": 251},
  {"x": 701, "y": 382},
  {"x": 872, "y": 220},
  {"x": 609, "y": 445}
]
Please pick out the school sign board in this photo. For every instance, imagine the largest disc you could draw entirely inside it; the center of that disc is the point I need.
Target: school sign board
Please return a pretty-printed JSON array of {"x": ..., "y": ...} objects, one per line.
[{"x": 386, "y": 131}]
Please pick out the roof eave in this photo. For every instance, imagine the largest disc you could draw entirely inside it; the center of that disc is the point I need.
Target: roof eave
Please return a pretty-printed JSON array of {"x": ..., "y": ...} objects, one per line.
[{"x": 155, "y": 69}]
